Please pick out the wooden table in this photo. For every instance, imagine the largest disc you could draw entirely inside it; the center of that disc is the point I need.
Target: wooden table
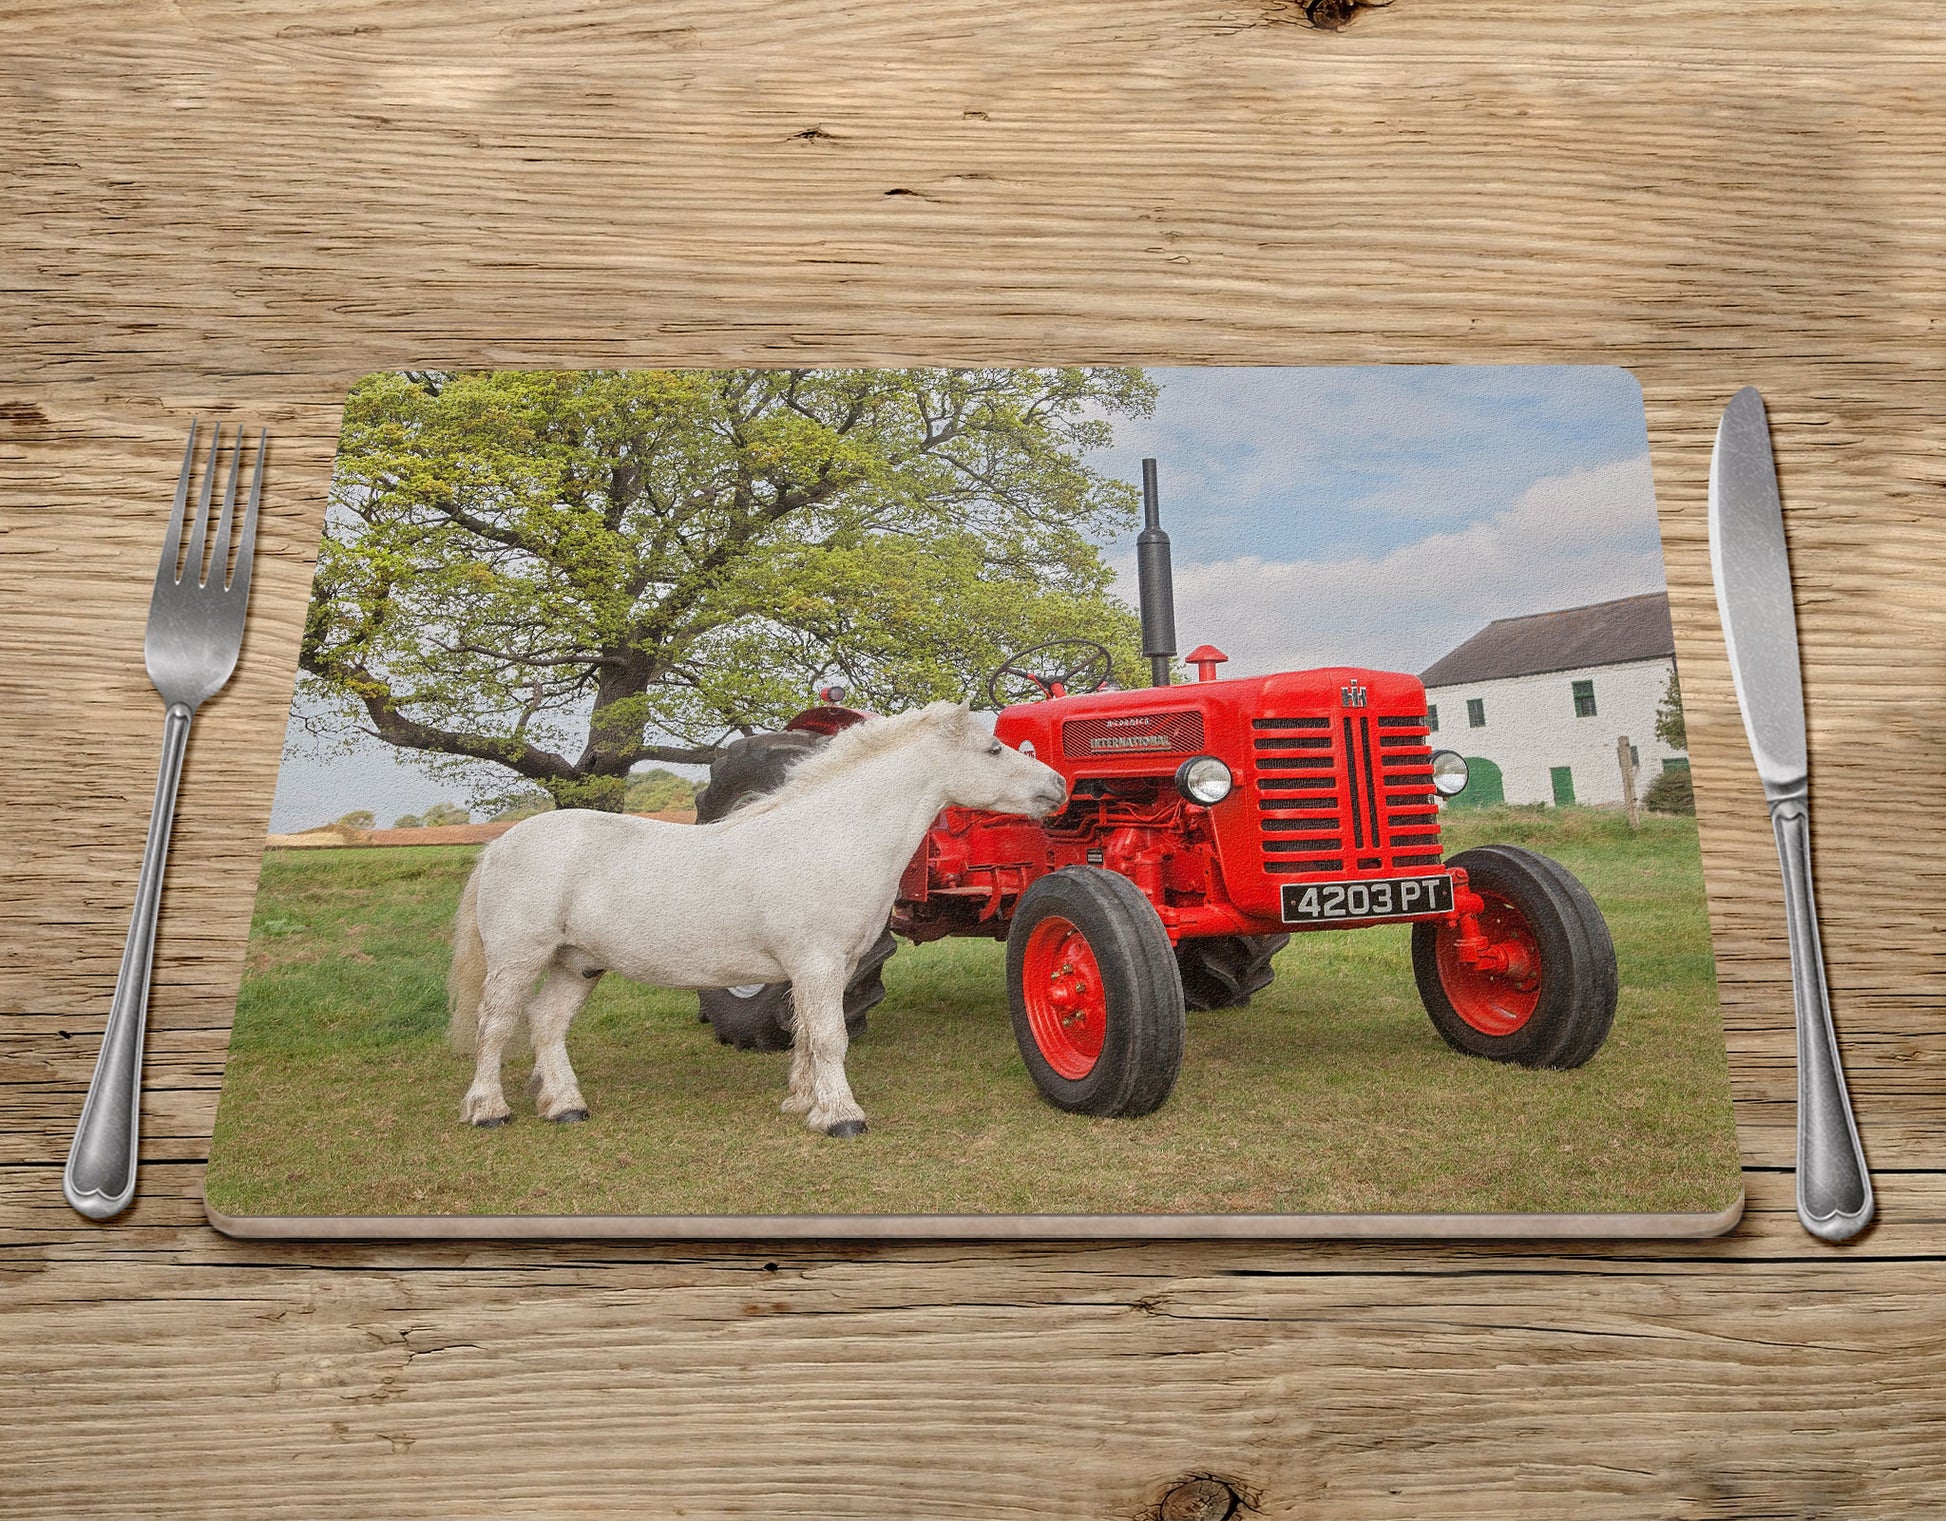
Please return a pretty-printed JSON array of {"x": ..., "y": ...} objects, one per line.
[{"x": 236, "y": 209}]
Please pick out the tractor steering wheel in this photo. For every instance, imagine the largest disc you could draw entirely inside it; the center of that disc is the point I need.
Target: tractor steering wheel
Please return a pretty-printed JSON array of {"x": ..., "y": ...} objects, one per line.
[{"x": 1080, "y": 665}]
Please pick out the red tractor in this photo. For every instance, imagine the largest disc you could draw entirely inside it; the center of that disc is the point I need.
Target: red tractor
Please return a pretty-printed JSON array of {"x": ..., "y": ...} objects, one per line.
[{"x": 1206, "y": 823}]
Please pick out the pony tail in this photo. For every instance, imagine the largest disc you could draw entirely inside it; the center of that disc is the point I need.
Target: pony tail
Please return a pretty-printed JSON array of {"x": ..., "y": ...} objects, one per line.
[{"x": 467, "y": 979}]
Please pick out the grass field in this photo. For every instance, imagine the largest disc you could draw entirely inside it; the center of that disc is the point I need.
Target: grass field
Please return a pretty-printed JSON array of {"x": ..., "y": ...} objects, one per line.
[{"x": 1330, "y": 1093}]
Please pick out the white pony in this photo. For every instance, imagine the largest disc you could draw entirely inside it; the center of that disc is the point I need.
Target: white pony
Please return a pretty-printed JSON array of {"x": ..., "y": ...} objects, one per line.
[{"x": 794, "y": 886}]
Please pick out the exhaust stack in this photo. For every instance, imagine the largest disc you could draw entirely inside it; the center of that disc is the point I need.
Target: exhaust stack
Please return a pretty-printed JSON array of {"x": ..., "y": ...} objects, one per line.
[{"x": 1156, "y": 583}]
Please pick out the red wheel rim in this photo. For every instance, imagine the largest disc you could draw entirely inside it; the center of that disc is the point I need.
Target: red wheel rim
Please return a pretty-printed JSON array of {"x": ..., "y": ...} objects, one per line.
[
  {"x": 1493, "y": 1003},
  {"x": 1060, "y": 982}
]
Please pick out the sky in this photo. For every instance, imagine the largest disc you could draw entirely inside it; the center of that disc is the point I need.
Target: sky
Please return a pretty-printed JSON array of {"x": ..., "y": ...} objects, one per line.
[
  {"x": 1382, "y": 516},
  {"x": 1325, "y": 516}
]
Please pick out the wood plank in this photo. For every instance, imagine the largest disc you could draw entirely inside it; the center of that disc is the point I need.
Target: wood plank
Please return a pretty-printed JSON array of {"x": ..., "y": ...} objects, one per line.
[{"x": 1463, "y": 1382}]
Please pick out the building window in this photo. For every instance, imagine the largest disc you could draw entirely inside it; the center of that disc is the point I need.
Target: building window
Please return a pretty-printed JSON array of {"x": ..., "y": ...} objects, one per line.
[
  {"x": 1432, "y": 717},
  {"x": 1563, "y": 779},
  {"x": 1584, "y": 699},
  {"x": 1476, "y": 712}
]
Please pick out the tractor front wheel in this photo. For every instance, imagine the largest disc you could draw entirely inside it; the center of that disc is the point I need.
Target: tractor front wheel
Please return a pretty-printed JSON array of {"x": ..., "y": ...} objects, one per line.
[
  {"x": 1553, "y": 1003},
  {"x": 1096, "y": 999}
]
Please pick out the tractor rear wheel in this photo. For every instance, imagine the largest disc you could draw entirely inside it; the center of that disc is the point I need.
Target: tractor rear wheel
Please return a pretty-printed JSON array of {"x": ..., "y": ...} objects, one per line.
[
  {"x": 1221, "y": 972},
  {"x": 760, "y": 1017},
  {"x": 751, "y": 767},
  {"x": 1097, "y": 1003},
  {"x": 1554, "y": 1006}
]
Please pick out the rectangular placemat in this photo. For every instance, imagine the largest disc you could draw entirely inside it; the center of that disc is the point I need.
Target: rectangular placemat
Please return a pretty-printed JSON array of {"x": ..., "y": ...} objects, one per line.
[{"x": 1381, "y": 914}]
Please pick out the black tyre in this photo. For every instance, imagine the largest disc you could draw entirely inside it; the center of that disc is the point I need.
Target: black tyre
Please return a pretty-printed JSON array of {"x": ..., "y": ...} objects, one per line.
[
  {"x": 1590, "y": 1033},
  {"x": 760, "y": 1017},
  {"x": 1097, "y": 1003},
  {"x": 1555, "y": 1007},
  {"x": 751, "y": 767},
  {"x": 753, "y": 1018},
  {"x": 1224, "y": 970}
]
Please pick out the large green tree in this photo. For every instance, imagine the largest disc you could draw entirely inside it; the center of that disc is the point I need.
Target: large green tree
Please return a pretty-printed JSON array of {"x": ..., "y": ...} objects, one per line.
[{"x": 570, "y": 574}]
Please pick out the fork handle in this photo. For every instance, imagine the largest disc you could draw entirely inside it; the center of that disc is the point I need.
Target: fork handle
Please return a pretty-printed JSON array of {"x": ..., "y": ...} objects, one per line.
[
  {"x": 1834, "y": 1189},
  {"x": 100, "y": 1176}
]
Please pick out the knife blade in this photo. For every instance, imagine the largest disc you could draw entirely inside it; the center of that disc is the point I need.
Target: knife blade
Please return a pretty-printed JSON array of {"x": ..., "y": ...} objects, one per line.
[{"x": 1752, "y": 571}]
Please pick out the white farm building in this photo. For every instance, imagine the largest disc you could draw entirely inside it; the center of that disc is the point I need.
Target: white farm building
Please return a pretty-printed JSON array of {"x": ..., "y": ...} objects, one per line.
[{"x": 1537, "y": 704}]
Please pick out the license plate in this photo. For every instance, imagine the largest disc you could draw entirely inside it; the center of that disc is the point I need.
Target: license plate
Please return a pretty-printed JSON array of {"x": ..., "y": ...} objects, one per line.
[{"x": 1387, "y": 898}]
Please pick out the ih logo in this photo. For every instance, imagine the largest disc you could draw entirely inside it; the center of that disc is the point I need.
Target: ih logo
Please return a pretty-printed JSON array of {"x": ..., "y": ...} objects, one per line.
[{"x": 1352, "y": 696}]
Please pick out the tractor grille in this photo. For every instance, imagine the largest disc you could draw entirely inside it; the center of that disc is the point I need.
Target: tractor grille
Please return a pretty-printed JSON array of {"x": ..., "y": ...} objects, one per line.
[
  {"x": 1352, "y": 795},
  {"x": 1141, "y": 734}
]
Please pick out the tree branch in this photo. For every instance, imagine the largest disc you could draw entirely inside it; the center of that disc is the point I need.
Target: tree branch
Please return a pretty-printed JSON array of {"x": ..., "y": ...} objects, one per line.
[
  {"x": 513, "y": 658},
  {"x": 395, "y": 727}
]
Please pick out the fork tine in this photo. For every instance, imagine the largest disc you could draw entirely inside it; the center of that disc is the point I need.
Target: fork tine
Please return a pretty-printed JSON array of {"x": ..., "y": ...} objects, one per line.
[
  {"x": 219, "y": 560},
  {"x": 192, "y": 568},
  {"x": 247, "y": 544},
  {"x": 172, "y": 545}
]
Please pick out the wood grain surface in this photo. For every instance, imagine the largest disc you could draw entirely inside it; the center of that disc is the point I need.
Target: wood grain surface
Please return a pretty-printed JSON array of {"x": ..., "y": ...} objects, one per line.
[{"x": 235, "y": 208}]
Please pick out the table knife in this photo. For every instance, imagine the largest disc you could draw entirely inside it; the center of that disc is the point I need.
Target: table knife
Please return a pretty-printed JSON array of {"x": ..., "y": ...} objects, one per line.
[{"x": 1752, "y": 571}]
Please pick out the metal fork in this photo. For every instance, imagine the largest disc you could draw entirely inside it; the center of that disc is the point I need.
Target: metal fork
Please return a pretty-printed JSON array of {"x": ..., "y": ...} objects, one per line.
[{"x": 195, "y": 630}]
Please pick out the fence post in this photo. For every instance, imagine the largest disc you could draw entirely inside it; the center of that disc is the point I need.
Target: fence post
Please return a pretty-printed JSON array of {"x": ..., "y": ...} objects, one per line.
[{"x": 1626, "y": 760}]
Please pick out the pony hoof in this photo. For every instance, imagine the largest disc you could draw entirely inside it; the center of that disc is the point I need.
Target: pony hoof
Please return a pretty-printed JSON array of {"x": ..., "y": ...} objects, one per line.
[
  {"x": 845, "y": 1128},
  {"x": 569, "y": 1117},
  {"x": 495, "y": 1123}
]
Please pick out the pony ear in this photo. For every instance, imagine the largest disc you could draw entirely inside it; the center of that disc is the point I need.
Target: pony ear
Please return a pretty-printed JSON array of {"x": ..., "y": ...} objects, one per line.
[{"x": 944, "y": 716}]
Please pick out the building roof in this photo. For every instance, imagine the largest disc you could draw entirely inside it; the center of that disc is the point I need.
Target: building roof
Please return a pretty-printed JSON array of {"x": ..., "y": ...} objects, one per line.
[{"x": 1603, "y": 633}]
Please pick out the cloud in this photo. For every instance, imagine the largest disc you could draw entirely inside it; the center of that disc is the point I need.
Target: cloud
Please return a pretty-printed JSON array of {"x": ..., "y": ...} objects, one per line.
[
  {"x": 1585, "y": 536},
  {"x": 1329, "y": 462}
]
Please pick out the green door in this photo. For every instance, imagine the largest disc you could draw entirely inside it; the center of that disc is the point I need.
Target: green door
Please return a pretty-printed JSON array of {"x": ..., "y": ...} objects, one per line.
[
  {"x": 1563, "y": 779},
  {"x": 1484, "y": 788}
]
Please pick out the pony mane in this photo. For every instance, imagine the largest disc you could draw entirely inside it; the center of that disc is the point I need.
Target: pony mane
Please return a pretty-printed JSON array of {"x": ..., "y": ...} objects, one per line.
[{"x": 848, "y": 749}]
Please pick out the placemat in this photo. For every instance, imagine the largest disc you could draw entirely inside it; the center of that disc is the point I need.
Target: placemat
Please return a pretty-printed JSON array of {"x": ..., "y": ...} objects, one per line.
[{"x": 1368, "y": 904}]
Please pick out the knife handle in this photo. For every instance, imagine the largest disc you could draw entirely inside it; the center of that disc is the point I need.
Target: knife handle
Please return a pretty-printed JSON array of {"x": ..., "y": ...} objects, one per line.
[{"x": 1834, "y": 1191}]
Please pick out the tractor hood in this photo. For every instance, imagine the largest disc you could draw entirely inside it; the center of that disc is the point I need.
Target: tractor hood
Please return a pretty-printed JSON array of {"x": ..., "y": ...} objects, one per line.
[{"x": 1152, "y": 730}]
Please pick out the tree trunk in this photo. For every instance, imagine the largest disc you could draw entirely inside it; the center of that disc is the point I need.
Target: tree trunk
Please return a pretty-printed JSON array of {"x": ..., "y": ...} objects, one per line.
[{"x": 614, "y": 738}]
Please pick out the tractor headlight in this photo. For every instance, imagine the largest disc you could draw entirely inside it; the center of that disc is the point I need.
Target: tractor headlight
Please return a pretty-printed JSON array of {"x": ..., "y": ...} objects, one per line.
[
  {"x": 1448, "y": 773},
  {"x": 1203, "y": 779}
]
